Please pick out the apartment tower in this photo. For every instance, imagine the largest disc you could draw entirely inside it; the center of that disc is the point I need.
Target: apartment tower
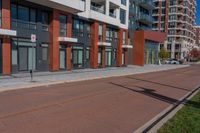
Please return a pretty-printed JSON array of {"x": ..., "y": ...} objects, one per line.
[{"x": 176, "y": 18}]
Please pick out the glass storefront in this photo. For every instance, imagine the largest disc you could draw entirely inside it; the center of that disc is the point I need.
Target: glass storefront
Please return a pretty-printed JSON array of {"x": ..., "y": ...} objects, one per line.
[
  {"x": 151, "y": 52},
  {"x": 108, "y": 57},
  {"x": 23, "y": 56},
  {"x": 77, "y": 57}
]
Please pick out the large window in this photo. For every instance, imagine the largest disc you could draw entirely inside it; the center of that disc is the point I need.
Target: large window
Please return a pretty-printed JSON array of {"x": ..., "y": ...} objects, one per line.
[
  {"x": 45, "y": 21},
  {"x": 122, "y": 16},
  {"x": 77, "y": 28},
  {"x": 23, "y": 17},
  {"x": 63, "y": 25}
]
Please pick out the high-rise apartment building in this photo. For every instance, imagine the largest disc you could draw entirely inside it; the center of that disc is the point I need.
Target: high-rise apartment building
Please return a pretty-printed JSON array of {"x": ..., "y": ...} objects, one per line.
[
  {"x": 197, "y": 36},
  {"x": 145, "y": 42},
  {"x": 66, "y": 34},
  {"x": 177, "y": 19}
]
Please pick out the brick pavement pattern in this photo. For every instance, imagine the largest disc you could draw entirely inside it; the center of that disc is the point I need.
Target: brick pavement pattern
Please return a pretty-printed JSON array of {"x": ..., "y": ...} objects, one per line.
[{"x": 111, "y": 105}]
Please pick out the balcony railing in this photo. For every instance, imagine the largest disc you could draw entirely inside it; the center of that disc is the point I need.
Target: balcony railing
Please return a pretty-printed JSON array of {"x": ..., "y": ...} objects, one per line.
[
  {"x": 97, "y": 9},
  {"x": 23, "y": 24}
]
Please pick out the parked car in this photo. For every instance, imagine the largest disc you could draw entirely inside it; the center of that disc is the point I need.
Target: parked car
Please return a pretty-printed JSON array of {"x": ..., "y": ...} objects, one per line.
[{"x": 172, "y": 61}]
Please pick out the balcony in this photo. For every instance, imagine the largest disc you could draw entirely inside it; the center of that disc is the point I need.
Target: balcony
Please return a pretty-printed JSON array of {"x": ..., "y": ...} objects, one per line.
[
  {"x": 70, "y": 6},
  {"x": 145, "y": 18},
  {"x": 148, "y": 4},
  {"x": 97, "y": 9}
]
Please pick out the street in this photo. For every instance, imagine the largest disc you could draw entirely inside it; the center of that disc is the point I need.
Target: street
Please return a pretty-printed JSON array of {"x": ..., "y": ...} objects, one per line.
[{"x": 110, "y": 105}]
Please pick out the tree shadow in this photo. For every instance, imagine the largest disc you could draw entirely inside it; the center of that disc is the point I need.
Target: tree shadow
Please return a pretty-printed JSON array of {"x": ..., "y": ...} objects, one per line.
[
  {"x": 159, "y": 83},
  {"x": 152, "y": 93}
]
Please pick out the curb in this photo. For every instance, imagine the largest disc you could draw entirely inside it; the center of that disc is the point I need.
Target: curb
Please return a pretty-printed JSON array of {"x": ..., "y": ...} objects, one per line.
[{"x": 159, "y": 120}]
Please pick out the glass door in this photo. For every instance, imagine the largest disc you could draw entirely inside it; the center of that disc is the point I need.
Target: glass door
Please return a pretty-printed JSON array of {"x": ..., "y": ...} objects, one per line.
[
  {"x": 77, "y": 57},
  {"x": 123, "y": 58},
  {"x": 99, "y": 57},
  {"x": 108, "y": 57},
  {"x": 23, "y": 59},
  {"x": 62, "y": 59},
  {"x": 27, "y": 58}
]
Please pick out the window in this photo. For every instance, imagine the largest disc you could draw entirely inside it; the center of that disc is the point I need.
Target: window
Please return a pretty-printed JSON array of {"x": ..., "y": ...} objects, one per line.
[
  {"x": 23, "y": 13},
  {"x": 124, "y": 37},
  {"x": 14, "y": 53},
  {"x": 122, "y": 16},
  {"x": 23, "y": 17},
  {"x": 44, "y": 53},
  {"x": 63, "y": 25},
  {"x": 45, "y": 21},
  {"x": 78, "y": 28},
  {"x": 100, "y": 32},
  {"x": 123, "y": 2}
]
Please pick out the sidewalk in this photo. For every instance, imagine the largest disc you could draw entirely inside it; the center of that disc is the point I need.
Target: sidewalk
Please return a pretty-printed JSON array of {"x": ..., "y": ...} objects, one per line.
[{"x": 19, "y": 81}]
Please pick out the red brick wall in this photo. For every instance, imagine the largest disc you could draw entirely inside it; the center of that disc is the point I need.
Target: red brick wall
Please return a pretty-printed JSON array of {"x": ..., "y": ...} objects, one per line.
[
  {"x": 139, "y": 42},
  {"x": 54, "y": 46},
  {"x": 6, "y": 41},
  {"x": 103, "y": 48},
  {"x": 119, "y": 48},
  {"x": 94, "y": 46}
]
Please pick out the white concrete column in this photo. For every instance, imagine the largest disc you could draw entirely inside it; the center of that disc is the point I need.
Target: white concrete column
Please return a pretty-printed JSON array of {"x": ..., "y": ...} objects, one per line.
[{"x": 107, "y": 7}]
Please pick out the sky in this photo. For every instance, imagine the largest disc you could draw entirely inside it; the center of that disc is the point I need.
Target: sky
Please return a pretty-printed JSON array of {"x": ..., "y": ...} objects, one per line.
[{"x": 198, "y": 13}]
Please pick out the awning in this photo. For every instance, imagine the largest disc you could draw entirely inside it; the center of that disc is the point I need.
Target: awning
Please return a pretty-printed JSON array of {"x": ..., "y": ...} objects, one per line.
[
  {"x": 127, "y": 46},
  {"x": 104, "y": 44},
  {"x": 68, "y": 39},
  {"x": 6, "y": 32}
]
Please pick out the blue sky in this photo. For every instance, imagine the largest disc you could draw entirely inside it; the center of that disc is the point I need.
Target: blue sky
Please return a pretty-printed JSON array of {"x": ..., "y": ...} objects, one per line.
[{"x": 198, "y": 13}]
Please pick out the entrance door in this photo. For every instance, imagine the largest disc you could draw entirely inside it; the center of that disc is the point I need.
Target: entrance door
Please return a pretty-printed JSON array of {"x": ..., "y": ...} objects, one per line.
[
  {"x": 87, "y": 57},
  {"x": 0, "y": 57},
  {"x": 77, "y": 57},
  {"x": 108, "y": 57},
  {"x": 99, "y": 57},
  {"x": 123, "y": 58},
  {"x": 62, "y": 59},
  {"x": 27, "y": 58}
]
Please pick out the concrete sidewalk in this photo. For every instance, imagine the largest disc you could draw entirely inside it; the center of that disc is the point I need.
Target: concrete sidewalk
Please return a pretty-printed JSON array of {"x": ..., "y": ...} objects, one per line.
[{"x": 19, "y": 81}]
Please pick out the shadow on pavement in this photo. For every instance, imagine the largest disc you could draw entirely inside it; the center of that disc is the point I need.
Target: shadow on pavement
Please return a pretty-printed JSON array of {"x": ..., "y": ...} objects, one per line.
[
  {"x": 159, "y": 83},
  {"x": 150, "y": 93}
]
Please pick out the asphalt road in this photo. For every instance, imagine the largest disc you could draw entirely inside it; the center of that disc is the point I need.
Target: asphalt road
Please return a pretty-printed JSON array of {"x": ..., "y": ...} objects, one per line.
[{"x": 111, "y": 105}]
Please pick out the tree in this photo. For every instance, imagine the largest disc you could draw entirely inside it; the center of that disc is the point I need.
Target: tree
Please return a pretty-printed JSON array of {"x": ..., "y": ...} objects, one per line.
[
  {"x": 195, "y": 54},
  {"x": 163, "y": 54}
]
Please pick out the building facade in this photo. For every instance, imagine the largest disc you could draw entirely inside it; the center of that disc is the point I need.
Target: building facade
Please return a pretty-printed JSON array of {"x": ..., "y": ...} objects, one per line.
[
  {"x": 145, "y": 42},
  {"x": 197, "y": 36},
  {"x": 69, "y": 34},
  {"x": 176, "y": 18}
]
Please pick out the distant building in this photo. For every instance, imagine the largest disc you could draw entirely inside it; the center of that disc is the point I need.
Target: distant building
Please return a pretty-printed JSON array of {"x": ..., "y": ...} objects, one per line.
[{"x": 176, "y": 18}]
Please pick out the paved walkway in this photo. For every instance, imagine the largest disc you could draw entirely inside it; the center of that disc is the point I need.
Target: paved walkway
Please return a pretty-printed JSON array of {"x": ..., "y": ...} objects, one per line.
[
  {"x": 110, "y": 105},
  {"x": 23, "y": 80}
]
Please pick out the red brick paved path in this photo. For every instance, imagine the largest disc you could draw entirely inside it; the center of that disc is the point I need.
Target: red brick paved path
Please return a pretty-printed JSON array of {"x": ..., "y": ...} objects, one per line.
[{"x": 112, "y": 105}]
